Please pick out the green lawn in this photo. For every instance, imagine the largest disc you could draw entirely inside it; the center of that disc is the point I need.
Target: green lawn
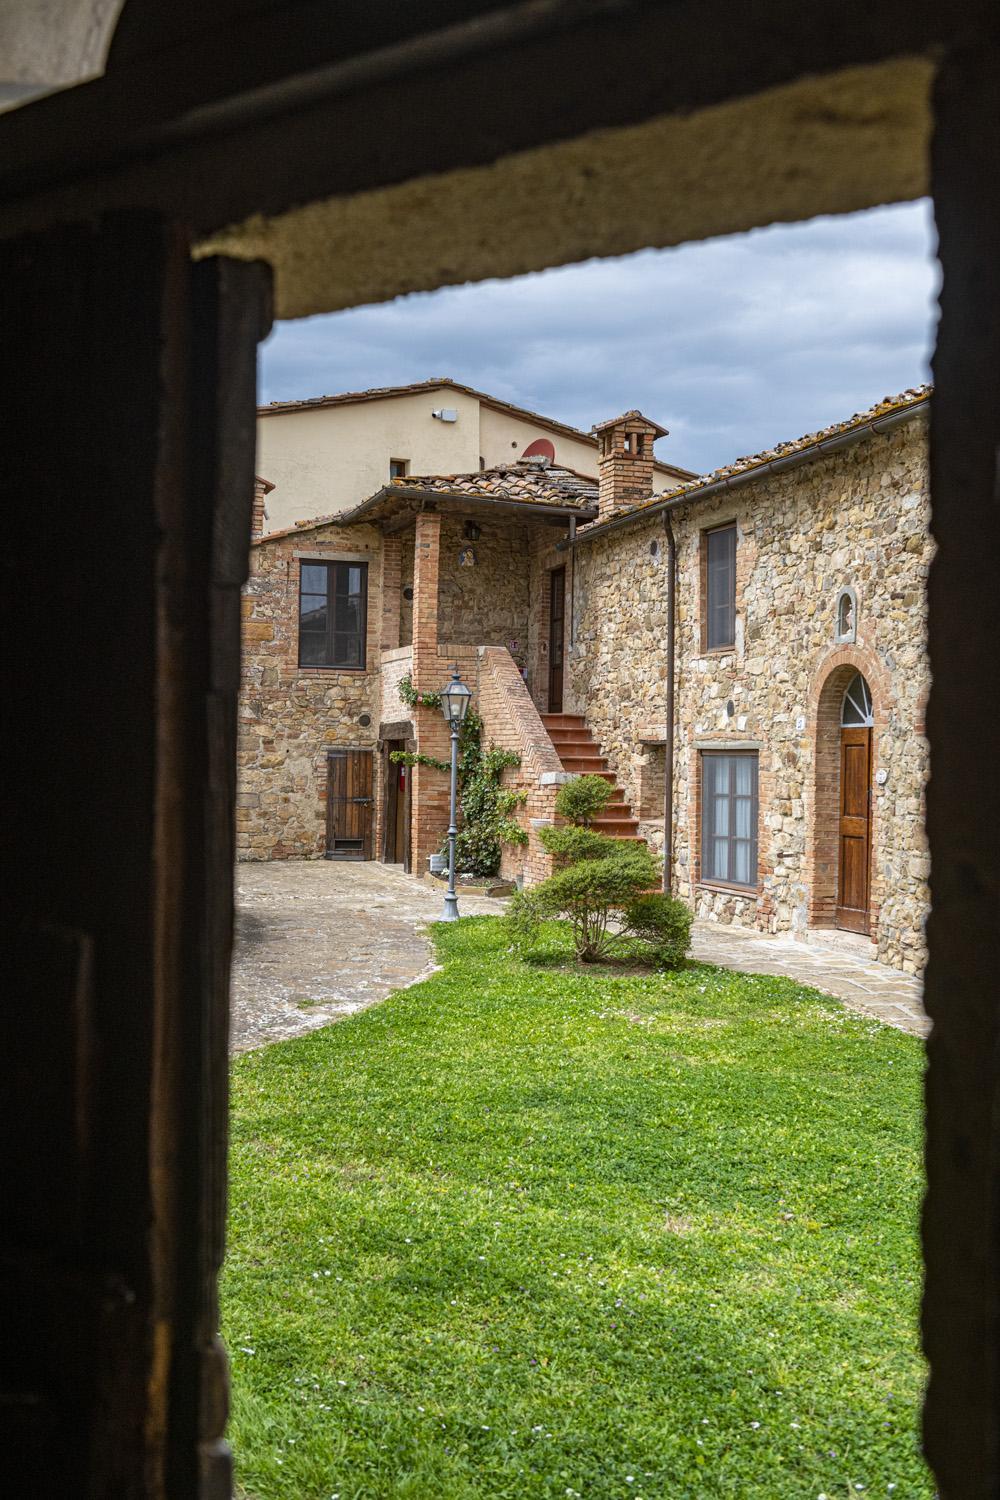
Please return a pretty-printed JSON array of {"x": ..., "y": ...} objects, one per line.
[{"x": 524, "y": 1232}]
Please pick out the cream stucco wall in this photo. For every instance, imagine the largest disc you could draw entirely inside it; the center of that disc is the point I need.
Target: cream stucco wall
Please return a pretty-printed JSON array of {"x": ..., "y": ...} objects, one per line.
[{"x": 325, "y": 459}]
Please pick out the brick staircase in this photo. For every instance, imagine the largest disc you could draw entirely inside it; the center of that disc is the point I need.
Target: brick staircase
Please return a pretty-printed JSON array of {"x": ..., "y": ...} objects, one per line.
[{"x": 581, "y": 756}]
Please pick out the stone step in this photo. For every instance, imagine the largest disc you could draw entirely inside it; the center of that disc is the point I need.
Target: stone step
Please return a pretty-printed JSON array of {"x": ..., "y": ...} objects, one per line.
[
  {"x": 557, "y": 719},
  {"x": 587, "y": 765}
]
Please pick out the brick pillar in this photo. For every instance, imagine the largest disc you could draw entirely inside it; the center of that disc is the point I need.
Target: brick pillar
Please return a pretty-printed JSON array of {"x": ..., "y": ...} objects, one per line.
[
  {"x": 625, "y": 461},
  {"x": 261, "y": 487},
  {"x": 426, "y": 557},
  {"x": 430, "y": 787},
  {"x": 392, "y": 558}
]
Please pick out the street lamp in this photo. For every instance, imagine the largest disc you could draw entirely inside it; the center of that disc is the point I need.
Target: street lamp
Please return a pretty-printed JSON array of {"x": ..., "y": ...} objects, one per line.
[{"x": 455, "y": 700}]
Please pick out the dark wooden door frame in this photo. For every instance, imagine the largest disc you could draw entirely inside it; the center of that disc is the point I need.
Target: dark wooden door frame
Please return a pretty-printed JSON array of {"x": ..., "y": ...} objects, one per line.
[
  {"x": 854, "y": 827},
  {"x": 349, "y": 817},
  {"x": 557, "y": 639}
]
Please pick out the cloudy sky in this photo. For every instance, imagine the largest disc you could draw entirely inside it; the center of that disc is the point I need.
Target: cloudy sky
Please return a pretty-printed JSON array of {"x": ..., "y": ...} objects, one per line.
[{"x": 732, "y": 345}]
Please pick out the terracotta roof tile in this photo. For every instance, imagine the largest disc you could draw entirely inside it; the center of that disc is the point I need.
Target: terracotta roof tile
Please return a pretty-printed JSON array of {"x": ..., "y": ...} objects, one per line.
[{"x": 887, "y": 405}]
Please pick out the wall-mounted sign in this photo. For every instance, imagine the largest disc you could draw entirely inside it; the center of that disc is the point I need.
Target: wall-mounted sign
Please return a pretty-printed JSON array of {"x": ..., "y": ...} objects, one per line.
[
  {"x": 881, "y": 777},
  {"x": 800, "y": 723}
]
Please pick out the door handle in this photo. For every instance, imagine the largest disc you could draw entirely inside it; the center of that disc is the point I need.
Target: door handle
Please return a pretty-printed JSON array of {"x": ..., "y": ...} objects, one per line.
[{"x": 366, "y": 801}]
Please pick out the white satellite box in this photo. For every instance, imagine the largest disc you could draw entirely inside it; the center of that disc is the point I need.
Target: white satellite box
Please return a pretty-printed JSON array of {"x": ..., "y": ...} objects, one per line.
[{"x": 445, "y": 414}]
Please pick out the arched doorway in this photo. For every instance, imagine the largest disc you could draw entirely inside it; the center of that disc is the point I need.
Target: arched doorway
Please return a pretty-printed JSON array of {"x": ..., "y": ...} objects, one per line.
[{"x": 854, "y": 820}]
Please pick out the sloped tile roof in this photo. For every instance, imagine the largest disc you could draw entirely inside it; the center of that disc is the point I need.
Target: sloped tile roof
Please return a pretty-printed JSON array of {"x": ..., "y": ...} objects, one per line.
[
  {"x": 915, "y": 396},
  {"x": 526, "y": 481}
]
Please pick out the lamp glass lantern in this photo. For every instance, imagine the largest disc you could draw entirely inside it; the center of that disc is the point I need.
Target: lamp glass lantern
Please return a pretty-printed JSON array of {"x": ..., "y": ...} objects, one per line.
[{"x": 455, "y": 700}]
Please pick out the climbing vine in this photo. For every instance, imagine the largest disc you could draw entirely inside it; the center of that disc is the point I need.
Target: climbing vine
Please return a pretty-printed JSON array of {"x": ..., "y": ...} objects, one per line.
[
  {"x": 409, "y": 695},
  {"x": 488, "y": 807}
]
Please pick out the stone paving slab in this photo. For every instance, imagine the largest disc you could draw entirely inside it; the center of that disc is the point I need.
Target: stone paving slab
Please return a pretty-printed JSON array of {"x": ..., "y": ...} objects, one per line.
[
  {"x": 317, "y": 940},
  {"x": 835, "y": 963}
]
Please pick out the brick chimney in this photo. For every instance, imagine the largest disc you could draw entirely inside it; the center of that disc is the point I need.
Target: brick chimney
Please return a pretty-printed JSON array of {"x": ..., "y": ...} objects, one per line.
[
  {"x": 625, "y": 461},
  {"x": 258, "y": 516}
]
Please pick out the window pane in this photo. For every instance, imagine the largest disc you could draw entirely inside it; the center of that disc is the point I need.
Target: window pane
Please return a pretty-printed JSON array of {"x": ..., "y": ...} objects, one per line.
[
  {"x": 741, "y": 862},
  {"x": 742, "y": 822},
  {"x": 312, "y": 650},
  {"x": 721, "y": 601},
  {"x": 313, "y": 578},
  {"x": 354, "y": 580},
  {"x": 312, "y": 616},
  {"x": 720, "y": 859},
  {"x": 347, "y": 651},
  {"x": 746, "y": 766},
  {"x": 347, "y": 614},
  {"x": 720, "y": 815}
]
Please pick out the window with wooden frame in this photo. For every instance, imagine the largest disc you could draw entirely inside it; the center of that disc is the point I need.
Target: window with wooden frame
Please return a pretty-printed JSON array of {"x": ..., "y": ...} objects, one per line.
[
  {"x": 719, "y": 574},
  {"x": 333, "y": 608},
  {"x": 399, "y": 468},
  {"x": 729, "y": 817}
]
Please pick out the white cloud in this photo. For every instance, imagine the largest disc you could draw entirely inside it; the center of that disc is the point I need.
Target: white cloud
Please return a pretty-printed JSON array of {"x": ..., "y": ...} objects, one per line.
[{"x": 733, "y": 344}]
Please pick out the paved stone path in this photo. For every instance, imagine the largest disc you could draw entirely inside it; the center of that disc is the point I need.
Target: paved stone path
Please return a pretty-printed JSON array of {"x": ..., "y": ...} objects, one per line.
[
  {"x": 836, "y": 963},
  {"x": 317, "y": 940}
]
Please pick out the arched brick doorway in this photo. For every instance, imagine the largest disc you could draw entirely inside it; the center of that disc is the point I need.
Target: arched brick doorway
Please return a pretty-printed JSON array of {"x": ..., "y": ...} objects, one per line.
[{"x": 845, "y": 887}]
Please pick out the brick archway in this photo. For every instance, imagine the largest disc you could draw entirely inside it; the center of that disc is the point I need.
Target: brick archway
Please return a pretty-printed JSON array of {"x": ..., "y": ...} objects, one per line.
[{"x": 825, "y": 702}]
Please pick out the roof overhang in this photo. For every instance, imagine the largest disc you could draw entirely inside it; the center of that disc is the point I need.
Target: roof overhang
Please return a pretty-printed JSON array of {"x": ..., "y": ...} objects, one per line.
[
  {"x": 380, "y": 507},
  {"x": 779, "y": 465}
]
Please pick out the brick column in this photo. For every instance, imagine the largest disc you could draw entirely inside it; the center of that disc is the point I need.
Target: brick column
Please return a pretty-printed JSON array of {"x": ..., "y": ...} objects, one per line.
[
  {"x": 430, "y": 787},
  {"x": 392, "y": 558},
  {"x": 426, "y": 558},
  {"x": 261, "y": 487}
]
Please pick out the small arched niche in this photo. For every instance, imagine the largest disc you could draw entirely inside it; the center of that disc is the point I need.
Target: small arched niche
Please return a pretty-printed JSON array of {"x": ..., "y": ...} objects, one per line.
[{"x": 846, "y": 616}]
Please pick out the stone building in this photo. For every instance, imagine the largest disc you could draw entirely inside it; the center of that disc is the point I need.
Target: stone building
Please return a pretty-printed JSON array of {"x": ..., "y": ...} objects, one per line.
[{"x": 797, "y": 759}]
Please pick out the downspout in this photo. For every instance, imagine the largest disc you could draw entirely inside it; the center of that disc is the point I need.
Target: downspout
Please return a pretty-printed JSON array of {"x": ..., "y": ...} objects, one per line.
[
  {"x": 572, "y": 580},
  {"x": 668, "y": 742}
]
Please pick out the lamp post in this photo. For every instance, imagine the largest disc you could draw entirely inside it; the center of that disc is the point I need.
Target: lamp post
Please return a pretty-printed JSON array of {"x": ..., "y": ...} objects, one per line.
[{"x": 455, "y": 700}]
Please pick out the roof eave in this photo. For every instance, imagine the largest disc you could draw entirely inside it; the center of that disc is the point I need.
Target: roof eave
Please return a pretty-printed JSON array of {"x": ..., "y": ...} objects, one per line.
[{"x": 800, "y": 456}]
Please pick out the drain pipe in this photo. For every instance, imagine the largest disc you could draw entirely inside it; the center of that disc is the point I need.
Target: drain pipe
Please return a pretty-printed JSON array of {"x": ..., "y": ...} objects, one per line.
[{"x": 668, "y": 744}]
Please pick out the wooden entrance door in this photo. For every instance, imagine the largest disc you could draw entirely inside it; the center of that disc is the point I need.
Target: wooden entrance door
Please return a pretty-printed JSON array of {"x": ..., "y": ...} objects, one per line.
[
  {"x": 349, "y": 804},
  {"x": 855, "y": 828},
  {"x": 397, "y": 809},
  {"x": 557, "y": 614}
]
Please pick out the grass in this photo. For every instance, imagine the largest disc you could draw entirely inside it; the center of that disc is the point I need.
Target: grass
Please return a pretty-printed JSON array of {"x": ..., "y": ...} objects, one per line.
[{"x": 523, "y": 1231}]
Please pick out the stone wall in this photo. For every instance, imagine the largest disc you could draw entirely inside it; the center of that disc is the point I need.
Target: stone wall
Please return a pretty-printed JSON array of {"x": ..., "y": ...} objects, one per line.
[
  {"x": 483, "y": 582},
  {"x": 291, "y": 716},
  {"x": 856, "y": 519}
]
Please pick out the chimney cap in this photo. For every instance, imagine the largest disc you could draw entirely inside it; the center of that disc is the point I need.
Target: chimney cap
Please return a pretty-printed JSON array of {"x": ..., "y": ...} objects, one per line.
[{"x": 631, "y": 418}]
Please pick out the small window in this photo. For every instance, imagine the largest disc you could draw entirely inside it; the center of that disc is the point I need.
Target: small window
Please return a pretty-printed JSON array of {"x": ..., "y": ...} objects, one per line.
[
  {"x": 399, "y": 468},
  {"x": 856, "y": 709},
  {"x": 333, "y": 605},
  {"x": 720, "y": 588},
  {"x": 729, "y": 818}
]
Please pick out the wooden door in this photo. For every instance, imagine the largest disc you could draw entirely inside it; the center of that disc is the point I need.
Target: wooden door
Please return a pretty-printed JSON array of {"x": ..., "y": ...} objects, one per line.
[
  {"x": 349, "y": 804},
  {"x": 557, "y": 613},
  {"x": 855, "y": 828},
  {"x": 396, "y": 806}
]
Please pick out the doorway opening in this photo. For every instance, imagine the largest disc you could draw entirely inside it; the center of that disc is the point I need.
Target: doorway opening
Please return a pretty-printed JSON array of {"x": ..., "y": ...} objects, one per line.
[
  {"x": 396, "y": 786},
  {"x": 854, "y": 825},
  {"x": 349, "y": 804},
  {"x": 557, "y": 617}
]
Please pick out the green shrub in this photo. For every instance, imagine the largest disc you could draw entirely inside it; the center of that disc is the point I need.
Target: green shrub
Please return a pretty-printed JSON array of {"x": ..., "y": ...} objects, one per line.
[
  {"x": 662, "y": 922},
  {"x": 569, "y": 844},
  {"x": 581, "y": 799},
  {"x": 601, "y": 887}
]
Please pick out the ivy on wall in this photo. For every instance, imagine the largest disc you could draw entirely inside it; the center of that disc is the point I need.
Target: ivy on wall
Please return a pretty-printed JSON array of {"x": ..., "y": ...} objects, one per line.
[{"x": 488, "y": 807}]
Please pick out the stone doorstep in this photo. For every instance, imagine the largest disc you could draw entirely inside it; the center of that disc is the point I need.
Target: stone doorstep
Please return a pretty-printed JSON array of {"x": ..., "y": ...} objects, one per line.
[{"x": 497, "y": 889}]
